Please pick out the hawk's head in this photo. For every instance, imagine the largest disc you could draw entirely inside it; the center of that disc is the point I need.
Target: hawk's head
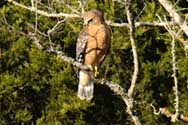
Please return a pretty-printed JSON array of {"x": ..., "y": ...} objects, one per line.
[{"x": 93, "y": 17}]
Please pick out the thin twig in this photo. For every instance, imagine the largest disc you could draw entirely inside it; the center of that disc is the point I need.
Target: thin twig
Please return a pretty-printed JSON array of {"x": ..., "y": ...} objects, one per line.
[
  {"x": 38, "y": 31},
  {"x": 174, "y": 35},
  {"x": 174, "y": 75},
  {"x": 36, "y": 16},
  {"x": 34, "y": 9},
  {"x": 172, "y": 12},
  {"x": 167, "y": 113},
  {"x": 140, "y": 12},
  {"x": 59, "y": 15}
]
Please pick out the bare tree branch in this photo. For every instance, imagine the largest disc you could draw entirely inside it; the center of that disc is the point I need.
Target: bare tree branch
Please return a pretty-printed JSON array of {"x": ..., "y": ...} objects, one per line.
[
  {"x": 174, "y": 116},
  {"x": 183, "y": 118},
  {"x": 127, "y": 99},
  {"x": 154, "y": 109},
  {"x": 115, "y": 87},
  {"x": 123, "y": 2},
  {"x": 135, "y": 55},
  {"x": 131, "y": 22},
  {"x": 56, "y": 26},
  {"x": 173, "y": 33},
  {"x": 38, "y": 31},
  {"x": 32, "y": 3},
  {"x": 139, "y": 24},
  {"x": 34, "y": 9},
  {"x": 172, "y": 12},
  {"x": 153, "y": 24},
  {"x": 36, "y": 16},
  {"x": 117, "y": 24},
  {"x": 77, "y": 15},
  {"x": 174, "y": 75},
  {"x": 167, "y": 113},
  {"x": 132, "y": 25}
]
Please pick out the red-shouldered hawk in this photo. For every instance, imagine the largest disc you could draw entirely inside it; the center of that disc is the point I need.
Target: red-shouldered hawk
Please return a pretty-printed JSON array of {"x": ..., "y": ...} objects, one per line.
[{"x": 92, "y": 46}]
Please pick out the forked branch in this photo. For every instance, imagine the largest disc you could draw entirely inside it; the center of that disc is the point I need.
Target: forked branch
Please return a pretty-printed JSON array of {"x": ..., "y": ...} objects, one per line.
[
  {"x": 116, "y": 88},
  {"x": 172, "y": 12},
  {"x": 44, "y": 13},
  {"x": 176, "y": 116},
  {"x": 130, "y": 18}
]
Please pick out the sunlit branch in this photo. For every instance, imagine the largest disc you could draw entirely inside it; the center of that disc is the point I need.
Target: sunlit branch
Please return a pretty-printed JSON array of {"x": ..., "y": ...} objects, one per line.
[
  {"x": 38, "y": 31},
  {"x": 135, "y": 55},
  {"x": 116, "y": 88},
  {"x": 32, "y": 3},
  {"x": 174, "y": 35},
  {"x": 77, "y": 15},
  {"x": 130, "y": 19},
  {"x": 36, "y": 16},
  {"x": 140, "y": 13},
  {"x": 168, "y": 24},
  {"x": 139, "y": 24},
  {"x": 56, "y": 26},
  {"x": 167, "y": 113},
  {"x": 172, "y": 12},
  {"x": 34, "y": 9},
  {"x": 174, "y": 75}
]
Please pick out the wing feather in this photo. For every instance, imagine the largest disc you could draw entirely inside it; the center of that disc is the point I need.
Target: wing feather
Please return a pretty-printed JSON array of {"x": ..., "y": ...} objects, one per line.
[{"x": 81, "y": 46}]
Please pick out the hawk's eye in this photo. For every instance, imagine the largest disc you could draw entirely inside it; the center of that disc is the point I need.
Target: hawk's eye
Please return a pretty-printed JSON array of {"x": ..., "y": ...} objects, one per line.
[{"x": 90, "y": 21}]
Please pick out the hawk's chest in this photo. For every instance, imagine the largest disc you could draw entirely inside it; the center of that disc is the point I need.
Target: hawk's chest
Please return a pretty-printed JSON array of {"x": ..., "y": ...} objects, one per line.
[
  {"x": 93, "y": 30},
  {"x": 96, "y": 41}
]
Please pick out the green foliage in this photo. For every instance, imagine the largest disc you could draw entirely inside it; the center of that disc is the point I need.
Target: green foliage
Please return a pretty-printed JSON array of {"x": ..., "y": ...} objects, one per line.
[
  {"x": 38, "y": 88},
  {"x": 23, "y": 115}
]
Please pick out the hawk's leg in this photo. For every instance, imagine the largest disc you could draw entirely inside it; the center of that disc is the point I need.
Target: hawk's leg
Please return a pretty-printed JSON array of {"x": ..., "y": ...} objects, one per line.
[
  {"x": 91, "y": 67},
  {"x": 94, "y": 69}
]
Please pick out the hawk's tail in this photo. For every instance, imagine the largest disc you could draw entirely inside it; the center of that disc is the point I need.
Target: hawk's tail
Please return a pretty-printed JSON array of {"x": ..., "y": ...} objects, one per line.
[{"x": 86, "y": 85}]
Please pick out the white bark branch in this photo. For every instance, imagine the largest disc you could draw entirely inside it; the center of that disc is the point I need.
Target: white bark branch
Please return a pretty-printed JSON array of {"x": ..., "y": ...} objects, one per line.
[
  {"x": 128, "y": 101},
  {"x": 131, "y": 23},
  {"x": 174, "y": 117},
  {"x": 172, "y": 12},
  {"x": 77, "y": 15},
  {"x": 174, "y": 75},
  {"x": 139, "y": 24},
  {"x": 36, "y": 16},
  {"x": 153, "y": 24},
  {"x": 32, "y": 3},
  {"x": 116, "y": 88},
  {"x": 34, "y": 9},
  {"x": 135, "y": 55},
  {"x": 175, "y": 89},
  {"x": 167, "y": 113}
]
